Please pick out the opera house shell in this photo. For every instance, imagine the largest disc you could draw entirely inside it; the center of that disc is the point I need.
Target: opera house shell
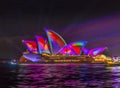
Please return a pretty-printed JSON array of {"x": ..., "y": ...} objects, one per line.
[{"x": 55, "y": 49}]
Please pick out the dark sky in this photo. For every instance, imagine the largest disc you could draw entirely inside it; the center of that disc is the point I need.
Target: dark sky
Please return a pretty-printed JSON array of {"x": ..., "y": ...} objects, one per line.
[{"x": 96, "y": 21}]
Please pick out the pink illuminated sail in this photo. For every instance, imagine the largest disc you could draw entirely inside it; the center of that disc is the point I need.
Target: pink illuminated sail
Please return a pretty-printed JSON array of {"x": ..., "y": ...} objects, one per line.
[
  {"x": 72, "y": 49},
  {"x": 79, "y": 43},
  {"x": 96, "y": 51},
  {"x": 55, "y": 40},
  {"x": 31, "y": 45},
  {"x": 42, "y": 45},
  {"x": 65, "y": 50}
]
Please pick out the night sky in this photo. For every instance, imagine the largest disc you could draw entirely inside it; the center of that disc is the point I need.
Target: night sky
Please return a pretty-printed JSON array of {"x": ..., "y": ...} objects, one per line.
[{"x": 96, "y": 21}]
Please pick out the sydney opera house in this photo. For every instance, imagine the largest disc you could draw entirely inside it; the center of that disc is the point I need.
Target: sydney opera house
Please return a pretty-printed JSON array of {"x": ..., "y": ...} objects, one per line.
[{"x": 54, "y": 49}]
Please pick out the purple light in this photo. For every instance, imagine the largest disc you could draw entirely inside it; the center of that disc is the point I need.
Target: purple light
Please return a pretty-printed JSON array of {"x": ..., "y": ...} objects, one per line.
[
  {"x": 32, "y": 57},
  {"x": 96, "y": 51}
]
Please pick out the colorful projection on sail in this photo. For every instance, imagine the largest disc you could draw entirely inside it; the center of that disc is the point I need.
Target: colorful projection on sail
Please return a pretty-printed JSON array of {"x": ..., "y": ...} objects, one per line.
[
  {"x": 31, "y": 45},
  {"x": 85, "y": 51},
  {"x": 55, "y": 40},
  {"x": 32, "y": 57},
  {"x": 72, "y": 48},
  {"x": 76, "y": 49},
  {"x": 96, "y": 51},
  {"x": 79, "y": 43},
  {"x": 42, "y": 45}
]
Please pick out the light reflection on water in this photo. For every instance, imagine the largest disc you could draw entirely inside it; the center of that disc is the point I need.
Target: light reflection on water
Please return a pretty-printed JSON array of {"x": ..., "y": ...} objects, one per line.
[{"x": 61, "y": 76}]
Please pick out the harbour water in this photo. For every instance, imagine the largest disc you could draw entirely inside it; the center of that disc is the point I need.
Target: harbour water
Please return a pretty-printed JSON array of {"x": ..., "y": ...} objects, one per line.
[{"x": 59, "y": 76}]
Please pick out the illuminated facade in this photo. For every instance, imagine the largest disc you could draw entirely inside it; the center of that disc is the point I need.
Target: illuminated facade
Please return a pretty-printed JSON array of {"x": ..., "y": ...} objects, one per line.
[{"x": 56, "y": 49}]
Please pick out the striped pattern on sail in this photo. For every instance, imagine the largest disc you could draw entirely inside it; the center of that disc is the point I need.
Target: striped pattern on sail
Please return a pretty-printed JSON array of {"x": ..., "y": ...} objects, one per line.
[
  {"x": 55, "y": 40},
  {"x": 42, "y": 45}
]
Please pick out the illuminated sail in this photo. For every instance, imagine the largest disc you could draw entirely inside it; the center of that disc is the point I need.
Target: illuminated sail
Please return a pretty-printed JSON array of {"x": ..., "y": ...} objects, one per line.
[
  {"x": 31, "y": 45},
  {"x": 32, "y": 57},
  {"x": 55, "y": 40},
  {"x": 96, "y": 51},
  {"x": 65, "y": 50},
  {"x": 76, "y": 49},
  {"x": 72, "y": 48},
  {"x": 42, "y": 45},
  {"x": 85, "y": 51}
]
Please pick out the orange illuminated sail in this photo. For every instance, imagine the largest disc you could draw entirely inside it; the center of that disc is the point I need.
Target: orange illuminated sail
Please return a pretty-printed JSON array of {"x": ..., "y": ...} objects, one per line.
[
  {"x": 31, "y": 45},
  {"x": 42, "y": 45}
]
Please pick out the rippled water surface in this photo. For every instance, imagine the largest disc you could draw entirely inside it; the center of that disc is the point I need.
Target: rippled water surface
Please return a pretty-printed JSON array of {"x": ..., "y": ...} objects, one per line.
[{"x": 59, "y": 76}]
